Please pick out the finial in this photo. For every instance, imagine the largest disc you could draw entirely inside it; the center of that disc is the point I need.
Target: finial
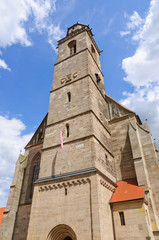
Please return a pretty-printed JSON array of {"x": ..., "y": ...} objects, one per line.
[{"x": 146, "y": 119}]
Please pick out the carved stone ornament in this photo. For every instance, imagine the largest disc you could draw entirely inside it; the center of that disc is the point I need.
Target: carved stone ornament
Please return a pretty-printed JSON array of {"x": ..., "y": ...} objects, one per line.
[
  {"x": 107, "y": 185},
  {"x": 68, "y": 78},
  {"x": 64, "y": 184}
]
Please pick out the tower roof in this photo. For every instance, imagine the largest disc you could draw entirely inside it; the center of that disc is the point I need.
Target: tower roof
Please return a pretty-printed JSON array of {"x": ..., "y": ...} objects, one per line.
[{"x": 76, "y": 27}]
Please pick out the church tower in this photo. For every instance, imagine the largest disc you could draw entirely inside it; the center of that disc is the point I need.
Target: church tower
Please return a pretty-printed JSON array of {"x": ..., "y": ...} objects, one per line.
[
  {"x": 77, "y": 177},
  {"x": 91, "y": 170}
]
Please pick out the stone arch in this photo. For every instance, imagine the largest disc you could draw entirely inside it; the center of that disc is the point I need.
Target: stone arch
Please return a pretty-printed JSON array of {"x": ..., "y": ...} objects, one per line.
[
  {"x": 62, "y": 232},
  {"x": 36, "y": 157}
]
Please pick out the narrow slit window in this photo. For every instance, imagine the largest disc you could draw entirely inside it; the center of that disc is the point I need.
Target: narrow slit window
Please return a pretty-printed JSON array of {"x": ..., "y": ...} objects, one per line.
[
  {"x": 92, "y": 49},
  {"x": 74, "y": 48},
  {"x": 122, "y": 219},
  {"x": 67, "y": 130},
  {"x": 106, "y": 159},
  {"x": 69, "y": 96},
  {"x": 65, "y": 191}
]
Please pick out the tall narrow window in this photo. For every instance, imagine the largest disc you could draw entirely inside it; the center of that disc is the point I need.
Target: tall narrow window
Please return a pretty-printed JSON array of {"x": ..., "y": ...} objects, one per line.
[
  {"x": 35, "y": 177},
  {"x": 122, "y": 219},
  {"x": 69, "y": 96},
  {"x": 35, "y": 174},
  {"x": 67, "y": 130},
  {"x": 72, "y": 47}
]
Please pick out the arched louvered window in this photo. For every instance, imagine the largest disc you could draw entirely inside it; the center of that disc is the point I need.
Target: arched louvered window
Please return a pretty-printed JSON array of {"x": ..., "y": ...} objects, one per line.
[{"x": 72, "y": 47}]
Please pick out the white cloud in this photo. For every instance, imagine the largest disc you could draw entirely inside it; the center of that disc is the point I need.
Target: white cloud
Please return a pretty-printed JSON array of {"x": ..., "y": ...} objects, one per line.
[
  {"x": 142, "y": 68},
  {"x": 11, "y": 142},
  {"x": 134, "y": 20},
  {"x": 124, "y": 33},
  {"x": 13, "y": 16},
  {"x": 4, "y": 65},
  {"x": 54, "y": 34},
  {"x": 18, "y": 17}
]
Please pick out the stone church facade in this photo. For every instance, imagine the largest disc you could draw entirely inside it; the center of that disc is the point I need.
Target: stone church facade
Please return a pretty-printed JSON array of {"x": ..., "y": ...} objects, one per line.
[{"x": 91, "y": 170}]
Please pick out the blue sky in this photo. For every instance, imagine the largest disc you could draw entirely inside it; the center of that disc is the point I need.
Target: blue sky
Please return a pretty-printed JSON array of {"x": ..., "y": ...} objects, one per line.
[{"x": 128, "y": 33}]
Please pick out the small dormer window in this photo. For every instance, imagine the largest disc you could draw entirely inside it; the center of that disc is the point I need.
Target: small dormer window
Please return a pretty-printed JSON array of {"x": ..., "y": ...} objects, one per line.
[{"x": 72, "y": 47}]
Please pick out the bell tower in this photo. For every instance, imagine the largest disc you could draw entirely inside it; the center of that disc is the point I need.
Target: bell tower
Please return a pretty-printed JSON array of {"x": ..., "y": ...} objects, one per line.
[{"x": 77, "y": 176}]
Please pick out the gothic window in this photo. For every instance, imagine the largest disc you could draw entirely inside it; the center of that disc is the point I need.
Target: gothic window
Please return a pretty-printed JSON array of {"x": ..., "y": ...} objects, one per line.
[
  {"x": 69, "y": 96},
  {"x": 122, "y": 219},
  {"x": 72, "y": 47},
  {"x": 67, "y": 130},
  {"x": 35, "y": 174}
]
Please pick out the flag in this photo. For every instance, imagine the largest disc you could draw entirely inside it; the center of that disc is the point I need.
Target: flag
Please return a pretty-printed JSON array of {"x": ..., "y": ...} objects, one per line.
[{"x": 61, "y": 139}]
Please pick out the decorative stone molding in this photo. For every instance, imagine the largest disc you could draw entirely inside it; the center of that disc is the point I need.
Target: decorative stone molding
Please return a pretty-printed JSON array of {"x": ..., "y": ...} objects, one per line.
[
  {"x": 63, "y": 184},
  {"x": 107, "y": 185}
]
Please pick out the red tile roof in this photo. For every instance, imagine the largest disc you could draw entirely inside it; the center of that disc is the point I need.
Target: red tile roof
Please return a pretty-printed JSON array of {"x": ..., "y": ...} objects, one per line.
[
  {"x": 127, "y": 190},
  {"x": 1, "y": 214}
]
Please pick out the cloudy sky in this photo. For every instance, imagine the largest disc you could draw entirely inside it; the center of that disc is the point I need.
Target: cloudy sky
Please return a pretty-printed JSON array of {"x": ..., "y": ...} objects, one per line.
[{"x": 126, "y": 31}]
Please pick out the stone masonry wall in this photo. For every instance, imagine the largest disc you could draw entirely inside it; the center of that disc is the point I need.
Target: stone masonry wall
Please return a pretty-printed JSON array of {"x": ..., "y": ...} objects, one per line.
[
  {"x": 124, "y": 163},
  {"x": 73, "y": 209},
  {"x": 137, "y": 221}
]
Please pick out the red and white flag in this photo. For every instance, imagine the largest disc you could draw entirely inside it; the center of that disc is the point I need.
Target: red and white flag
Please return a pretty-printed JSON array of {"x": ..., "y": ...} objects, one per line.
[{"x": 61, "y": 139}]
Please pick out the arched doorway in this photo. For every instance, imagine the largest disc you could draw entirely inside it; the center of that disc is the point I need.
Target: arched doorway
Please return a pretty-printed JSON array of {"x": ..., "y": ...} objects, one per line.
[
  {"x": 62, "y": 232},
  {"x": 67, "y": 238}
]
